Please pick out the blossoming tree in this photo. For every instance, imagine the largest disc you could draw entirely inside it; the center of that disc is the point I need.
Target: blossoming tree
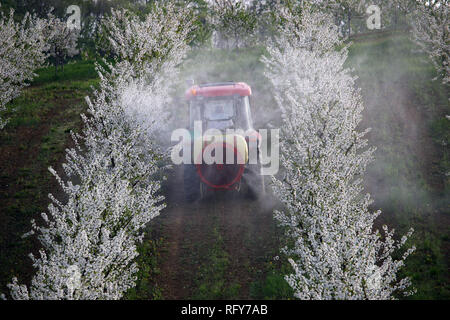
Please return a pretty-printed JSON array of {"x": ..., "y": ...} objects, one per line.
[
  {"x": 431, "y": 32},
  {"x": 22, "y": 49},
  {"x": 62, "y": 40},
  {"x": 97, "y": 229},
  {"x": 334, "y": 252},
  {"x": 89, "y": 241},
  {"x": 234, "y": 22}
]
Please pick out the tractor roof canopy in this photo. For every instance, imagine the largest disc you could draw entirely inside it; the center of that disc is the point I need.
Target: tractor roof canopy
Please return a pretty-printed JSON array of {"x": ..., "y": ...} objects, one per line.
[{"x": 219, "y": 90}]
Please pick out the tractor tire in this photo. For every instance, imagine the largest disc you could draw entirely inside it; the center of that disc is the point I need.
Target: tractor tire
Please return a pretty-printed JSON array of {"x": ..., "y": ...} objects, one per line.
[
  {"x": 254, "y": 182},
  {"x": 191, "y": 183}
]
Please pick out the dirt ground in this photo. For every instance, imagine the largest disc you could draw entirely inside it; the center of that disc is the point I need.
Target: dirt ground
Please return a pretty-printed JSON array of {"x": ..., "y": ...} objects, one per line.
[
  {"x": 216, "y": 247},
  {"x": 25, "y": 183}
]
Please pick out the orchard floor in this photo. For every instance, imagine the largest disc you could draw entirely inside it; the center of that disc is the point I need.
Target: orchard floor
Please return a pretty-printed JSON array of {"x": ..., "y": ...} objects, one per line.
[
  {"x": 225, "y": 247},
  {"x": 35, "y": 138},
  {"x": 221, "y": 247}
]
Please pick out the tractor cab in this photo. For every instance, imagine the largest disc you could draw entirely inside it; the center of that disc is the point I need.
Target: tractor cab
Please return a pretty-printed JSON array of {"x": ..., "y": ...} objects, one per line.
[{"x": 220, "y": 106}]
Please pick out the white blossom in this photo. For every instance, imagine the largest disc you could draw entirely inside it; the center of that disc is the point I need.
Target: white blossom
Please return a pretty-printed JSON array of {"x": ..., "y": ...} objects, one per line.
[
  {"x": 61, "y": 39},
  {"x": 22, "y": 47},
  {"x": 331, "y": 245},
  {"x": 155, "y": 43},
  {"x": 430, "y": 28}
]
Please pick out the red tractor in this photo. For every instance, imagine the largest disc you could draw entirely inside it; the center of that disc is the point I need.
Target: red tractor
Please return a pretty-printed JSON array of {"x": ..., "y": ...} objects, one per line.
[{"x": 224, "y": 108}]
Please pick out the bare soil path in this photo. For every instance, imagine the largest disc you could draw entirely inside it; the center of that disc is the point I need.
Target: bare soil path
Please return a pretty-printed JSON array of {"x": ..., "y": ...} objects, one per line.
[{"x": 214, "y": 248}]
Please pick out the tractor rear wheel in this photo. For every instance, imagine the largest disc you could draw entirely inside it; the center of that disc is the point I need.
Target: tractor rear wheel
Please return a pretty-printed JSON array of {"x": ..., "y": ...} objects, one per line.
[
  {"x": 255, "y": 182},
  {"x": 191, "y": 183}
]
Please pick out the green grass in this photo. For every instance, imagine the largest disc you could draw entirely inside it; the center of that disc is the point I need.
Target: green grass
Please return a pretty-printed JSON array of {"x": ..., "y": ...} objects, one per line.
[
  {"x": 38, "y": 132},
  {"x": 211, "y": 278},
  {"x": 405, "y": 109},
  {"x": 273, "y": 287},
  {"x": 148, "y": 262},
  {"x": 80, "y": 70}
]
